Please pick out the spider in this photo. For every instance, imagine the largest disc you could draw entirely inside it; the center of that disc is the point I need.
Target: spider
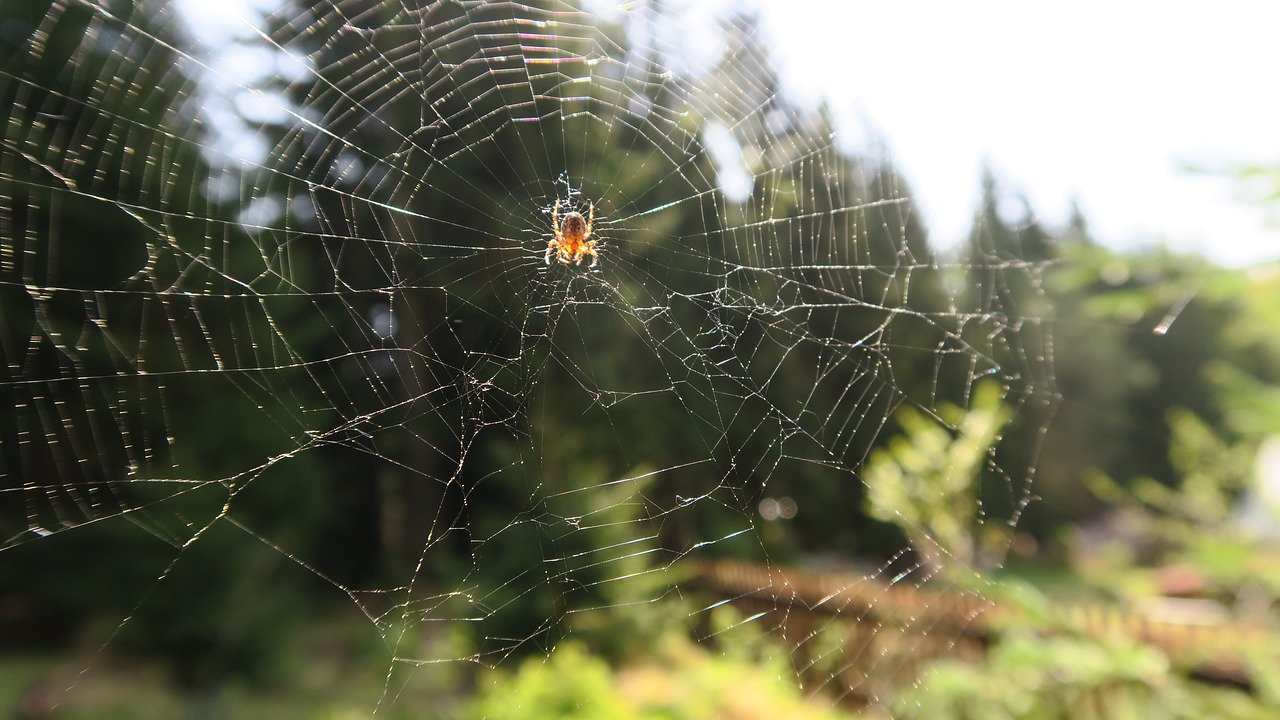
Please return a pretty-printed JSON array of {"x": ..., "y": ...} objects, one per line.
[{"x": 572, "y": 241}]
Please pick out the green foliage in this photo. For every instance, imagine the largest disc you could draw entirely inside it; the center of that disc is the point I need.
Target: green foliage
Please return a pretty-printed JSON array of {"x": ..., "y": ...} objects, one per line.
[
  {"x": 1192, "y": 526},
  {"x": 1027, "y": 677},
  {"x": 1134, "y": 334},
  {"x": 1211, "y": 476},
  {"x": 328, "y": 668},
  {"x": 570, "y": 684},
  {"x": 925, "y": 479},
  {"x": 679, "y": 681}
]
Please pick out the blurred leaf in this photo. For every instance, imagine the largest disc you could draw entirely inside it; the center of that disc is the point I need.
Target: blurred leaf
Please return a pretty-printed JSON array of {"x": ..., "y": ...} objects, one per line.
[{"x": 925, "y": 479}]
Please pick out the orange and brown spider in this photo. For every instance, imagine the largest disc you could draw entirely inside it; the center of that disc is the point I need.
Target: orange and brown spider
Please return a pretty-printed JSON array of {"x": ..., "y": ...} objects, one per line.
[{"x": 572, "y": 241}]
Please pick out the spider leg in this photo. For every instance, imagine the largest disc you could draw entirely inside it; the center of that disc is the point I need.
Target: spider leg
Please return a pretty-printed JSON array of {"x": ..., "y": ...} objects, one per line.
[
  {"x": 590, "y": 249},
  {"x": 555, "y": 218},
  {"x": 551, "y": 246},
  {"x": 591, "y": 220}
]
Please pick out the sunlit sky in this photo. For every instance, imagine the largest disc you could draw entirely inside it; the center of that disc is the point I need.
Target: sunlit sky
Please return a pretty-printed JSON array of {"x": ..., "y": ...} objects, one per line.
[{"x": 1103, "y": 102}]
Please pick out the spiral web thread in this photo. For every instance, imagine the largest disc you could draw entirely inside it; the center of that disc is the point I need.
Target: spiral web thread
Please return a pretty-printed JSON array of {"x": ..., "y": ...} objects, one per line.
[{"x": 333, "y": 220}]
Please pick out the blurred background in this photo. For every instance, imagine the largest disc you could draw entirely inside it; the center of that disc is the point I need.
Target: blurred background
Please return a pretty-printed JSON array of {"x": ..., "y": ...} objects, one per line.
[{"x": 930, "y": 368}]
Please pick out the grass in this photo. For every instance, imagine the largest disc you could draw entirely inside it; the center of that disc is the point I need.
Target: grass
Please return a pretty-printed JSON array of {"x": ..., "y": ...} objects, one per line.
[{"x": 334, "y": 669}]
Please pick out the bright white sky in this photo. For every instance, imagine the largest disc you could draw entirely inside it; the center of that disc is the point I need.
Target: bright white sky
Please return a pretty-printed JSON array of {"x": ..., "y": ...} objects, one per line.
[{"x": 1104, "y": 102}]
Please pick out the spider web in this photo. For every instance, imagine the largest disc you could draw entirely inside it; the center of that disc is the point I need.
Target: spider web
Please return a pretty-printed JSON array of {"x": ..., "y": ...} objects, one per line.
[{"x": 315, "y": 269}]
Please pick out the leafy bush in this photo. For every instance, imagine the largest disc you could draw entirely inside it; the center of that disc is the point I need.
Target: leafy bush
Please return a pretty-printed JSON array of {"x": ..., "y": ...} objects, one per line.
[
  {"x": 1028, "y": 677},
  {"x": 680, "y": 682}
]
